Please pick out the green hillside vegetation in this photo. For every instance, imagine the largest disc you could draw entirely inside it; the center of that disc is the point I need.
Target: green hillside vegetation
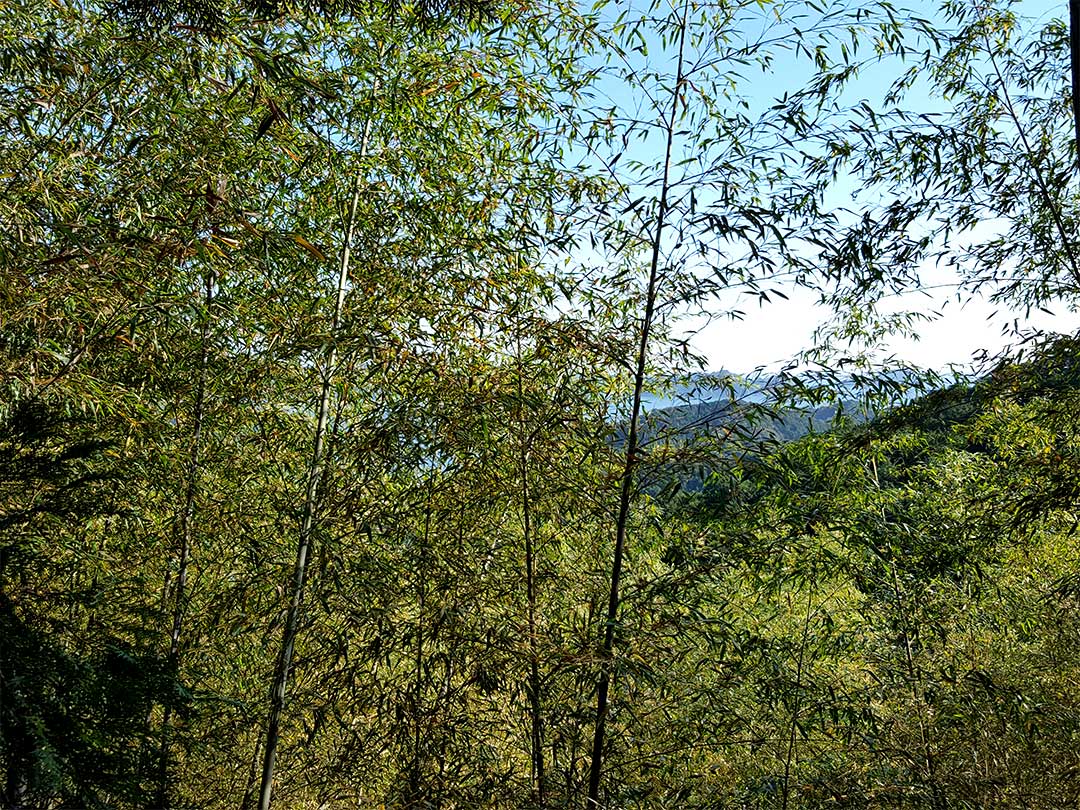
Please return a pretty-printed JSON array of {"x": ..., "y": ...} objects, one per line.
[
  {"x": 901, "y": 602},
  {"x": 886, "y": 615}
]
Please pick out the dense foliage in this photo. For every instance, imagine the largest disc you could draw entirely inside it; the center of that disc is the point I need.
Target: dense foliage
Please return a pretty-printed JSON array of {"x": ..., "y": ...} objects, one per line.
[
  {"x": 326, "y": 477},
  {"x": 901, "y": 600}
]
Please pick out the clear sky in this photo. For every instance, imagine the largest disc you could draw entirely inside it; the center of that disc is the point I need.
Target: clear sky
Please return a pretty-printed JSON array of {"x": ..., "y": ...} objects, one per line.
[{"x": 771, "y": 334}]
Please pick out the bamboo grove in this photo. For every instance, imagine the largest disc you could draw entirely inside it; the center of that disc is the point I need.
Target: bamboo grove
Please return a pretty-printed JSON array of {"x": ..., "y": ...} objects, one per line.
[{"x": 328, "y": 471}]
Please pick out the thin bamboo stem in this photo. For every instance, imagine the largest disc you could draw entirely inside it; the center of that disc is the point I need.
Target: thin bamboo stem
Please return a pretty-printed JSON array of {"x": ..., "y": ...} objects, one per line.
[
  {"x": 631, "y": 458},
  {"x": 307, "y": 520}
]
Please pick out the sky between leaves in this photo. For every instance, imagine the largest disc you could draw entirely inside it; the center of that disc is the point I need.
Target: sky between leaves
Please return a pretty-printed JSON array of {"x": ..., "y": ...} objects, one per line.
[{"x": 769, "y": 335}]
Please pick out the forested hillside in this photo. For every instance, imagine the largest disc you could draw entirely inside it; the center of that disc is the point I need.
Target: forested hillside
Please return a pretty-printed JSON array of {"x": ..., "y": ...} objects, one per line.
[
  {"x": 899, "y": 614},
  {"x": 329, "y": 473}
]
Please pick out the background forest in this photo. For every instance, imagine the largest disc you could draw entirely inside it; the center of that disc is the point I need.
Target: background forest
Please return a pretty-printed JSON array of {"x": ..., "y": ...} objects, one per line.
[{"x": 328, "y": 471}]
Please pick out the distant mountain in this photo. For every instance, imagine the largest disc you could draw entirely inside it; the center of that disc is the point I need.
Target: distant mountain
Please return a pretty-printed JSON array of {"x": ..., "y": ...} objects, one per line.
[
  {"x": 709, "y": 387},
  {"x": 719, "y": 402},
  {"x": 683, "y": 422}
]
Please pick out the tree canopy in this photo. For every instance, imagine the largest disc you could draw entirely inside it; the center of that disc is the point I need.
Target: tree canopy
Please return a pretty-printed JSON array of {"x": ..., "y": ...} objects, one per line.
[{"x": 337, "y": 466}]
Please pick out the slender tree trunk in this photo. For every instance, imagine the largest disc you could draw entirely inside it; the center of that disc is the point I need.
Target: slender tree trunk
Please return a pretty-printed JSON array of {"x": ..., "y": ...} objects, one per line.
[
  {"x": 792, "y": 735},
  {"x": 186, "y": 532},
  {"x": 535, "y": 707},
  {"x": 307, "y": 520},
  {"x": 17, "y": 771},
  {"x": 415, "y": 779},
  {"x": 918, "y": 693},
  {"x": 253, "y": 775},
  {"x": 1074, "y": 54},
  {"x": 1044, "y": 184},
  {"x": 536, "y": 718},
  {"x": 630, "y": 460}
]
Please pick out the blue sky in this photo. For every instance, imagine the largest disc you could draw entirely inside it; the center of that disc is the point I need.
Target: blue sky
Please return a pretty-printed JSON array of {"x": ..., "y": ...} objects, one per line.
[
  {"x": 771, "y": 334},
  {"x": 960, "y": 327}
]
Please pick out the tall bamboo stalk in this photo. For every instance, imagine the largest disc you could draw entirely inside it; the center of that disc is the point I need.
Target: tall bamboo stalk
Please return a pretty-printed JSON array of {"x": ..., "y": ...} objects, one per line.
[
  {"x": 187, "y": 534},
  {"x": 423, "y": 564},
  {"x": 1038, "y": 172},
  {"x": 794, "y": 727},
  {"x": 1074, "y": 60},
  {"x": 915, "y": 679},
  {"x": 307, "y": 520},
  {"x": 630, "y": 460},
  {"x": 536, "y": 718}
]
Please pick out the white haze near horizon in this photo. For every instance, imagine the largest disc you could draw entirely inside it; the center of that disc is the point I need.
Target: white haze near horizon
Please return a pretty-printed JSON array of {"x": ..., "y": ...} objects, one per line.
[{"x": 771, "y": 335}]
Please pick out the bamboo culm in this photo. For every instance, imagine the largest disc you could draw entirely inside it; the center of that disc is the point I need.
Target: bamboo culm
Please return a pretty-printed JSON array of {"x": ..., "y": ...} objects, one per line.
[
  {"x": 307, "y": 520},
  {"x": 630, "y": 460}
]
